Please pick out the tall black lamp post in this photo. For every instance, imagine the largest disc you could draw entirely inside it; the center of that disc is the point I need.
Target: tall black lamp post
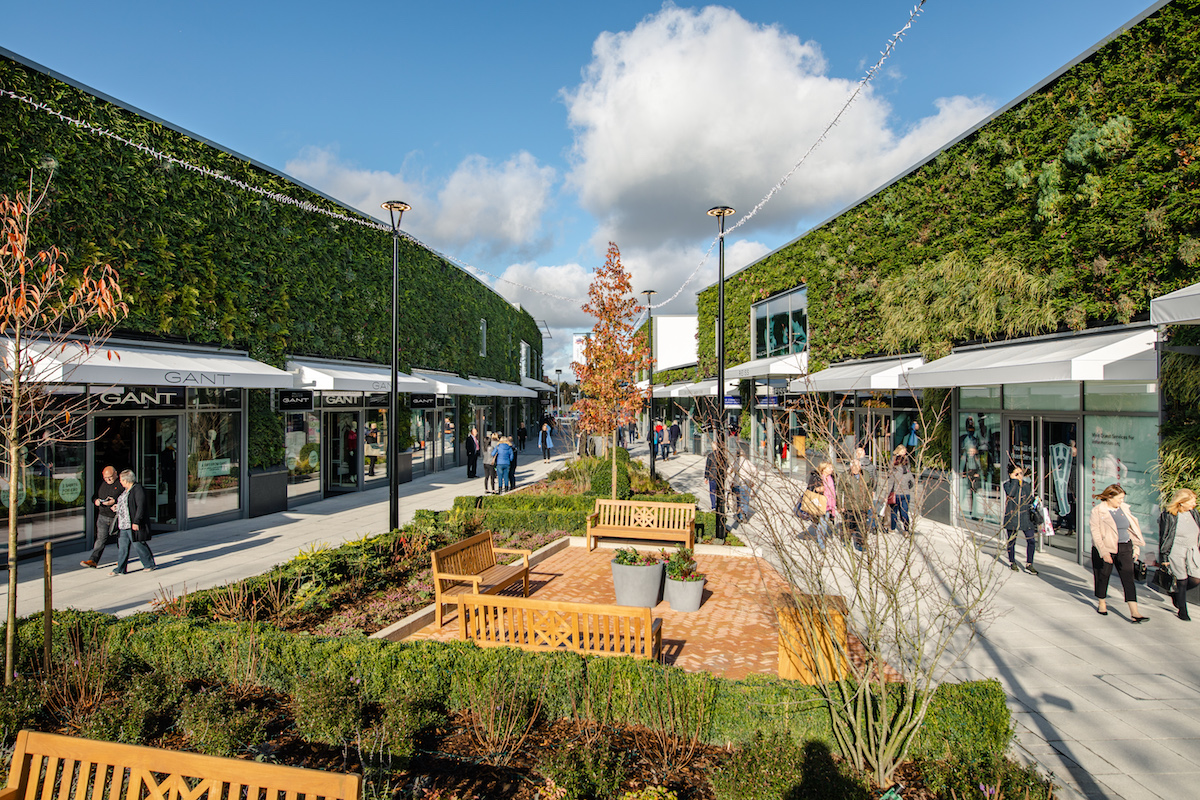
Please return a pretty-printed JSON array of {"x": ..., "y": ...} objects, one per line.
[
  {"x": 558, "y": 391},
  {"x": 395, "y": 209},
  {"x": 721, "y": 212},
  {"x": 650, "y": 381}
]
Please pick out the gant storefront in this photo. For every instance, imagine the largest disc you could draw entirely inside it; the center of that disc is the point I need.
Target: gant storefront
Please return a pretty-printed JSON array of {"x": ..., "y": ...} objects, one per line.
[{"x": 174, "y": 415}]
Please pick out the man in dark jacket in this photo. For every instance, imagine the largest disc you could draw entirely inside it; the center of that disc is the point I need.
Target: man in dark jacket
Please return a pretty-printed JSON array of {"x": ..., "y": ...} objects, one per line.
[
  {"x": 1018, "y": 516},
  {"x": 133, "y": 523},
  {"x": 472, "y": 451},
  {"x": 106, "y": 518}
]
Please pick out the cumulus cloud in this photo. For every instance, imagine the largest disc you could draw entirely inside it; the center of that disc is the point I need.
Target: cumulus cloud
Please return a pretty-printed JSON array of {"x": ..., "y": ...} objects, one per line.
[
  {"x": 464, "y": 216},
  {"x": 697, "y": 107}
]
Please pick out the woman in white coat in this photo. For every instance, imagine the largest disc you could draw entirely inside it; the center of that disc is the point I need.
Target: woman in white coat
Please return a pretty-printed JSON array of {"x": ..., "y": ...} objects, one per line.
[{"x": 1116, "y": 540}]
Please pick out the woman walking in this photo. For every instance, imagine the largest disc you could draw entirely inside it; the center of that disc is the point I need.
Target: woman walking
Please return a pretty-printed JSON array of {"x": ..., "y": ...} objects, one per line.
[
  {"x": 1116, "y": 539},
  {"x": 901, "y": 488},
  {"x": 133, "y": 524},
  {"x": 504, "y": 457},
  {"x": 1179, "y": 546},
  {"x": 856, "y": 494},
  {"x": 545, "y": 442},
  {"x": 1018, "y": 516},
  {"x": 489, "y": 463}
]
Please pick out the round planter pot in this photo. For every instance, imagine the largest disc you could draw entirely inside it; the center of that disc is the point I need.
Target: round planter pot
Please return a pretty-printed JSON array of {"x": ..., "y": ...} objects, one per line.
[
  {"x": 637, "y": 586},
  {"x": 685, "y": 595}
]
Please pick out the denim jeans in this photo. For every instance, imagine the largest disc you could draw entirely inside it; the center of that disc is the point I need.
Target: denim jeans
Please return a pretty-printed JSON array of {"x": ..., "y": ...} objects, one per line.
[
  {"x": 503, "y": 474},
  {"x": 124, "y": 540},
  {"x": 900, "y": 512}
]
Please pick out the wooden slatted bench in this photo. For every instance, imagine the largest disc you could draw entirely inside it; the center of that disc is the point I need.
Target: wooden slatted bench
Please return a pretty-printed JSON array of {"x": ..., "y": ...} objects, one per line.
[
  {"x": 636, "y": 519},
  {"x": 533, "y": 624},
  {"x": 469, "y": 567},
  {"x": 46, "y": 765}
]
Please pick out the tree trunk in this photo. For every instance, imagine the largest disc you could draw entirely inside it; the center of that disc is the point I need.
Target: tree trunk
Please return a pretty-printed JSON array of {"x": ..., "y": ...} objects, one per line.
[
  {"x": 13, "y": 452},
  {"x": 614, "y": 463}
]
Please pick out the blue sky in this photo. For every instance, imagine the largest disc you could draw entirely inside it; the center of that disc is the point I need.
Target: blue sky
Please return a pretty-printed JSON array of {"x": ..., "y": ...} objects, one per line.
[{"x": 526, "y": 135}]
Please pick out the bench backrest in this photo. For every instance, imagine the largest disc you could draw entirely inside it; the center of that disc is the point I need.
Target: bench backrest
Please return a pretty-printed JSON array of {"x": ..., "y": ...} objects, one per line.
[
  {"x": 470, "y": 556},
  {"x": 638, "y": 514},
  {"x": 533, "y": 624},
  {"x": 49, "y": 765}
]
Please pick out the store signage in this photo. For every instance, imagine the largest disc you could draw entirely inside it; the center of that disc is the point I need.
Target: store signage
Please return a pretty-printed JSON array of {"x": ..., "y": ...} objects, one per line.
[
  {"x": 295, "y": 400},
  {"x": 197, "y": 378},
  {"x": 379, "y": 400},
  {"x": 423, "y": 401},
  {"x": 342, "y": 400},
  {"x": 143, "y": 397}
]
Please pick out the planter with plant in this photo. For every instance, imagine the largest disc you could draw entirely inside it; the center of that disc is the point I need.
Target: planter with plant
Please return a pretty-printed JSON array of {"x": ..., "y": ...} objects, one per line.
[
  {"x": 685, "y": 586},
  {"x": 637, "y": 578}
]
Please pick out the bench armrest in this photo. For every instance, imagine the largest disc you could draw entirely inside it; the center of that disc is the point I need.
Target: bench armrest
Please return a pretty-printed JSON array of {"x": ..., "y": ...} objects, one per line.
[
  {"x": 595, "y": 515},
  {"x": 524, "y": 554},
  {"x": 447, "y": 576},
  {"x": 10, "y": 794}
]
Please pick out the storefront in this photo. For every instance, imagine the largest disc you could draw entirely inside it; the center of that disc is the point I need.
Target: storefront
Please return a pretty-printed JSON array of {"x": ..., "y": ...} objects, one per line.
[
  {"x": 174, "y": 415},
  {"x": 1079, "y": 412}
]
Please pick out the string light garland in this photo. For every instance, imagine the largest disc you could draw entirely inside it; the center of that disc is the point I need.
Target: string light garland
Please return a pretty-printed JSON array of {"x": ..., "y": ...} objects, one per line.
[{"x": 368, "y": 222}]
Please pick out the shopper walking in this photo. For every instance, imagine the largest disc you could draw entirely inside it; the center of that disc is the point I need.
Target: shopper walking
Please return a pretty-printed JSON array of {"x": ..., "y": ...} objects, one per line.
[
  {"x": 900, "y": 489},
  {"x": 856, "y": 499},
  {"x": 1018, "y": 516},
  {"x": 522, "y": 433},
  {"x": 489, "y": 463},
  {"x": 512, "y": 466},
  {"x": 1116, "y": 541},
  {"x": 1179, "y": 546},
  {"x": 472, "y": 445},
  {"x": 105, "y": 501},
  {"x": 674, "y": 434},
  {"x": 545, "y": 441},
  {"x": 133, "y": 524},
  {"x": 504, "y": 457}
]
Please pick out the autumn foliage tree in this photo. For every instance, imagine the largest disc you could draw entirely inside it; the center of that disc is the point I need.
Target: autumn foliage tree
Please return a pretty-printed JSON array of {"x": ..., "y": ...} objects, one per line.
[
  {"x": 613, "y": 355},
  {"x": 50, "y": 320}
]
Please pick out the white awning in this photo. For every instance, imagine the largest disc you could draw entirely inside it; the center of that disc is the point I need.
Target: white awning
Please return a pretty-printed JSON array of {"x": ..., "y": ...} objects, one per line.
[
  {"x": 703, "y": 389},
  {"x": 349, "y": 376},
  {"x": 1181, "y": 307},
  {"x": 1115, "y": 356},
  {"x": 445, "y": 383},
  {"x": 667, "y": 389},
  {"x": 499, "y": 389},
  {"x": 873, "y": 375},
  {"x": 131, "y": 363},
  {"x": 788, "y": 366},
  {"x": 536, "y": 385}
]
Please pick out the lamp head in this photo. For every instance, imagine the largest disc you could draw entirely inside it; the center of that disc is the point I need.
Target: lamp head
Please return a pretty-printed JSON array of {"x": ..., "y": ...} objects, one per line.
[
  {"x": 396, "y": 209},
  {"x": 720, "y": 211}
]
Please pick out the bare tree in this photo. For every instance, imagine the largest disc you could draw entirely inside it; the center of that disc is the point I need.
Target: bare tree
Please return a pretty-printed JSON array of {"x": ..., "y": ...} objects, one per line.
[
  {"x": 875, "y": 618},
  {"x": 51, "y": 320}
]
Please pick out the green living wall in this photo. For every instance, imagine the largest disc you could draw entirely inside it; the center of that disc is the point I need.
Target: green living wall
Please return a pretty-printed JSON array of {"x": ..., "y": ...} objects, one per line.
[{"x": 207, "y": 262}]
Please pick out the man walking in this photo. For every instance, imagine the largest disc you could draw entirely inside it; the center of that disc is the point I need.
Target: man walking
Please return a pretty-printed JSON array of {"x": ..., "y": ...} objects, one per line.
[
  {"x": 106, "y": 516},
  {"x": 676, "y": 434},
  {"x": 472, "y": 452}
]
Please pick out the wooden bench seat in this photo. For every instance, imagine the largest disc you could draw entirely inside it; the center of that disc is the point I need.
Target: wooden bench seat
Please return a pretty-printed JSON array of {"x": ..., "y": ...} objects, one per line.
[
  {"x": 533, "y": 624},
  {"x": 46, "y": 765},
  {"x": 469, "y": 567},
  {"x": 636, "y": 519}
]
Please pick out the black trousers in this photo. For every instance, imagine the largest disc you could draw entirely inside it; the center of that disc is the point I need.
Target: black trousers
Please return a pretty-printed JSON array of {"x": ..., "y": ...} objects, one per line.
[
  {"x": 1102, "y": 571},
  {"x": 1030, "y": 545},
  {"x": 472, "y": 460}
]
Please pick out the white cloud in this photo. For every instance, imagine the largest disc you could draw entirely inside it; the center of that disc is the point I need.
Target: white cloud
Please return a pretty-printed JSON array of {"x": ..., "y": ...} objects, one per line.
[
  {"x": 697, "y": 107},
  {"x": 466, "y": 214}
]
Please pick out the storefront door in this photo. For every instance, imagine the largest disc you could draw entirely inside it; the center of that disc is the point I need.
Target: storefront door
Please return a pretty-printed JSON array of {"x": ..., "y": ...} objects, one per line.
[
  {"x": 873, "y": 433},
  {"x": 149, "y": 445},
  {"x": 342, "y": 459},
  {"x": 1047, "y": 447}
]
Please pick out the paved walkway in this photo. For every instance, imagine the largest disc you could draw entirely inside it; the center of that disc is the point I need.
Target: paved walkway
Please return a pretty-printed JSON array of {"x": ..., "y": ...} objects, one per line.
[
  {"x": 218, "y": 554},
  {"x": 1112, "y": 709}
]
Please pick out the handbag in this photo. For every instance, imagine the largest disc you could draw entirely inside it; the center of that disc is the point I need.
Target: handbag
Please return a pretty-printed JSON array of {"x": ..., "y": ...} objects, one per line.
[
  {"x": 1164, "y": 581},
  {"x": 811, "y": 505},
  {"x": 891, "y": 501},
  {"x": 1139, "y": 570}
]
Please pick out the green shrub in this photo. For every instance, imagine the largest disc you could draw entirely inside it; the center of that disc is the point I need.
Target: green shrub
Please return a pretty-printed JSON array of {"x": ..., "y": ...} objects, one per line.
[
  {"x": 214, "y": 725},
  {"x": 602, "y": 481},
  {"x": 775, "y": 767},
  {"x": 141, "y": 713},
  {"x": 963, "y": 777},
  {"x": 329, "y": 708},
  {"x": 20, "y": 707},
  {"x": 969, "y": 720},
  {"x": 584, "y": 772}
]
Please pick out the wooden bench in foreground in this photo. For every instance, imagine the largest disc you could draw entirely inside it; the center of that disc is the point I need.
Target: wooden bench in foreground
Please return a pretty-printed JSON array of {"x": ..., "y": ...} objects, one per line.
[
  {"x": 533, "y": 624},
  {"x": 46, "y": 765},
  {"x": 635, "y": 519},
  {"x": 469, "y": 567}
]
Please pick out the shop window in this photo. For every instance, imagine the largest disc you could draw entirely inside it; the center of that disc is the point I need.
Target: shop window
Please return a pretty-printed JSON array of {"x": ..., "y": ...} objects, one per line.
[
  {"x": 483, "y": 337},
  {"x": 1120, "y": 396},
  {"x": 986, "y": 397},
  {"x": 1124, "y": 450},
  {"x": 781, "y": 324},
  {"x": 375, "y": 444},
  {"x": 1050, "y": 396},
  {"x": 214, "y": 462},
  {"x": 526, "y": 367},
  {"x": 980, "y": 467},
  {"x": 302, "y": 446}
]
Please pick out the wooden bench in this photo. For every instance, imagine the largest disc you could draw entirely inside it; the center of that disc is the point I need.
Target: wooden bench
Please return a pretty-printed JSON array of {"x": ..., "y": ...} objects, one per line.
[
  {"x": 48, "y": 765},
  {"x": 533, "y": 624},
  {"x": 469, "y": 567},
  {"x": 630, "y": 519}
]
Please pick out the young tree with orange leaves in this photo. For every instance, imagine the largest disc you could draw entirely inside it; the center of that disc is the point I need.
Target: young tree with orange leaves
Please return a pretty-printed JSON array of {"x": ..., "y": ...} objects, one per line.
[
  {"x": 612, "y": 355},
  {"x": 50, "y": 321}
]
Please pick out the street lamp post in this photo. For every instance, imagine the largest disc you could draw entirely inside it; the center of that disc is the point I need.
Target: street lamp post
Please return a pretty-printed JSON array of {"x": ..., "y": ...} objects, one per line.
[
  {"x": 558, "y": 390},
  {"x": 395, "y": 209},
  {"x": 650, "y": 381},
  {"x": 721, "y": 212}
]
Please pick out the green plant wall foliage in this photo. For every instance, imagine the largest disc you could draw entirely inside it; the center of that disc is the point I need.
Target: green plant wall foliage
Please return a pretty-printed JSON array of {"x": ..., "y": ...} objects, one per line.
[
  {"x": 265, "y": 441},
  {"x": 1087, "y": 192},
  {"x": 207, "y": 262}
]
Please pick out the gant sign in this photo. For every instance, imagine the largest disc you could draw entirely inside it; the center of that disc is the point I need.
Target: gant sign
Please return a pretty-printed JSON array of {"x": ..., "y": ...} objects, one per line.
[
  {"x": 147, "y": 397},
  {"x": 196, "y": 378}
]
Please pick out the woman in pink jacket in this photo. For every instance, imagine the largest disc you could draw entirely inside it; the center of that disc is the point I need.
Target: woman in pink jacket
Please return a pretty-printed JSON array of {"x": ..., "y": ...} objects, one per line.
[{"x": 1116, "y": 538}]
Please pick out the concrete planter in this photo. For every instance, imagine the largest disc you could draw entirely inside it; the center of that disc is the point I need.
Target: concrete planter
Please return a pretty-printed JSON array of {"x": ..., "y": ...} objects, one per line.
[
  {"x": 637, "y": 586},
  {"x": 684, "y": 595}
]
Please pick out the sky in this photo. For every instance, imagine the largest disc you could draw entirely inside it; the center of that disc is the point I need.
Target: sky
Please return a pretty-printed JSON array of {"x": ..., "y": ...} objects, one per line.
[{"x": 528, "y": 135}]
